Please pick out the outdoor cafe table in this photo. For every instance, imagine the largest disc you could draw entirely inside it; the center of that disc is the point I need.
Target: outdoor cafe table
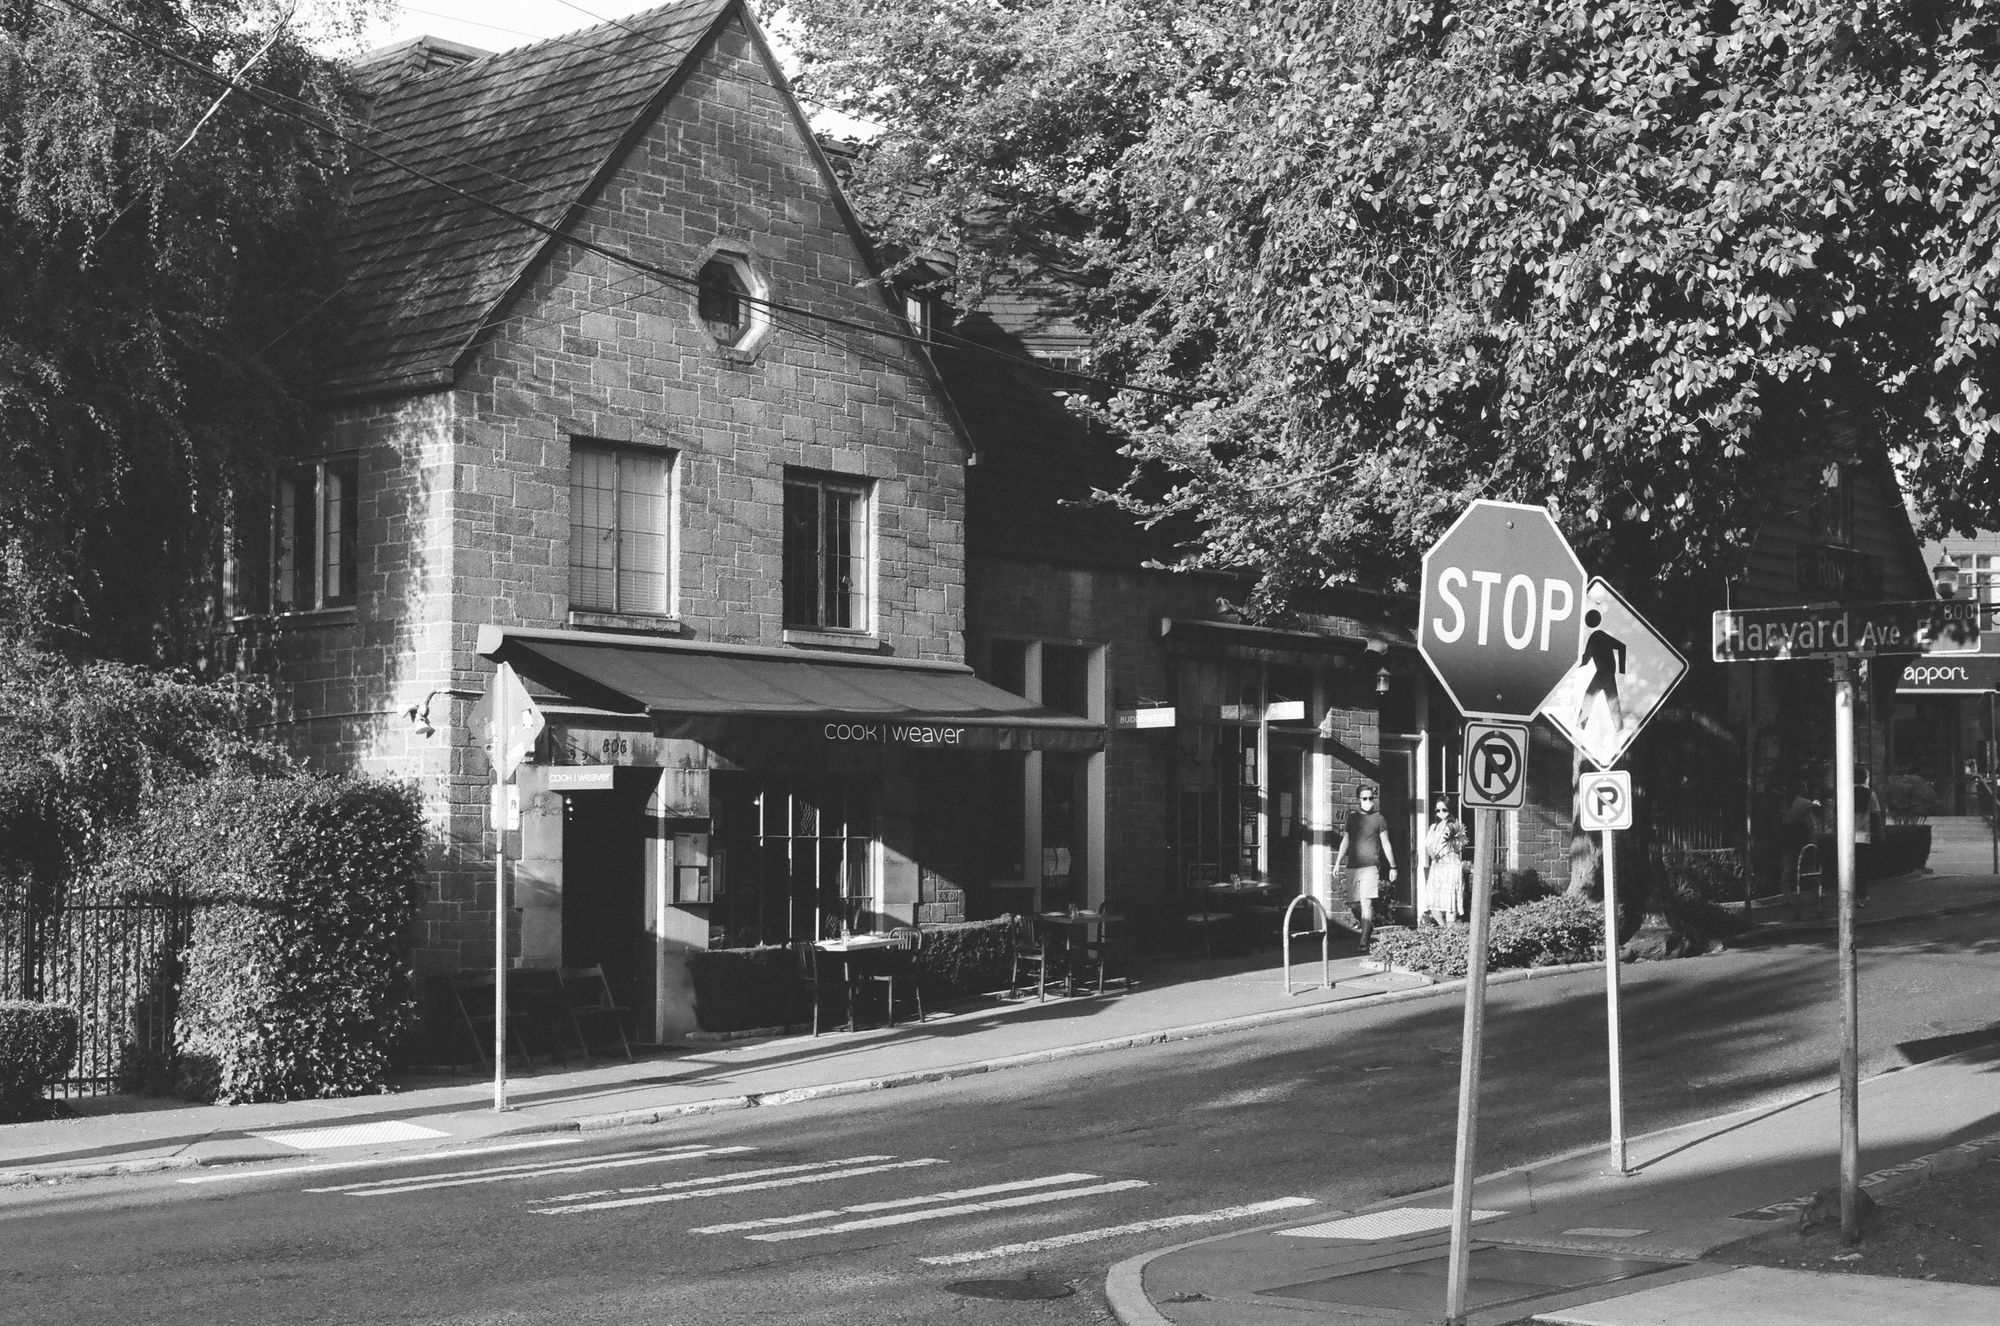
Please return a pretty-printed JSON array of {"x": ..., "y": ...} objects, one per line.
[
  {"x": 852, "y": 952},
  {"x": 1075, "y": 928}
]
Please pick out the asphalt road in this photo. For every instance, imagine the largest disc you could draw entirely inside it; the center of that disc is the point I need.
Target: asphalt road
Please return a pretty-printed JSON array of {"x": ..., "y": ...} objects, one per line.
[{"x": 870, "y": 1209}]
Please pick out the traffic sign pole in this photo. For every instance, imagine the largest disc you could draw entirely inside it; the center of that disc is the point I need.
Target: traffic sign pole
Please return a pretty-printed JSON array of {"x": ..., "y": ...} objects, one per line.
[
  {"x": 1487, "y": 831},
  {"x": 1850, "y": 1010},
  {"x": 1611, "y": 995}
]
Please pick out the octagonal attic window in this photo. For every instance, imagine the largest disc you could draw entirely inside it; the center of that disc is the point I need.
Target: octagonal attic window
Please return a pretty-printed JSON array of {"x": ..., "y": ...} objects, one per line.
[{"x": 727, "y": 300}]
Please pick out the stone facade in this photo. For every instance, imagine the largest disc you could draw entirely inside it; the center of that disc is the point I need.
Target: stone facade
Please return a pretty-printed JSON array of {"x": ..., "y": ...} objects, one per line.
[{"x": 465, "y": 491}]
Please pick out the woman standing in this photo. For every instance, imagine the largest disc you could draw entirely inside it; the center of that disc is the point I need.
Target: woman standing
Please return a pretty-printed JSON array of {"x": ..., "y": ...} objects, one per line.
[{"x": 1439, "y": 895}]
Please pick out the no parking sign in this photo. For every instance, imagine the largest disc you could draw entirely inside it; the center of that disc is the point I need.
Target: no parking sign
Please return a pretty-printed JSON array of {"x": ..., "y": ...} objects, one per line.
[{"x": 1604, "y": 800}]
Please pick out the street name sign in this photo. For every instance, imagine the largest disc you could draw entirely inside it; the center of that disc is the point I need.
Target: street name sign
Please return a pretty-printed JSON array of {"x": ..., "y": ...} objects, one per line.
[
  {"x": 1500, "y": 619},
  {"x": 1496, "y": 766},
  {"x": 1604, "y": 801},
  {"x": 1623, "y": 674},
  {"x": 1922, "y": 626}
]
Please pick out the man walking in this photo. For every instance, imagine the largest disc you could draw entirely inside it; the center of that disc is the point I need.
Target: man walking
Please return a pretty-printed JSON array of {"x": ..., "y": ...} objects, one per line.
[{"x": 1366, "y": 848}]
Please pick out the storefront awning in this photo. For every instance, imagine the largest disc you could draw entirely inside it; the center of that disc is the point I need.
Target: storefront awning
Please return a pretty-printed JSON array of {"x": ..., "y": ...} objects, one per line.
[{"x": 706, "y": 692}]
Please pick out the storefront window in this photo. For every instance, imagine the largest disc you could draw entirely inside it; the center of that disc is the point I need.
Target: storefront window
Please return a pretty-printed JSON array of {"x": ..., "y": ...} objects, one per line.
[{"x": 798, "y": 852}]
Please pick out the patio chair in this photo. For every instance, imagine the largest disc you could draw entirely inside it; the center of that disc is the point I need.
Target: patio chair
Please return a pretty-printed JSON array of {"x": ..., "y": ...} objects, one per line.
[
  {"x": 587, "y": 996},
  {"x": 1033, "y": 952},
  {"x": 898, "y": 964}
]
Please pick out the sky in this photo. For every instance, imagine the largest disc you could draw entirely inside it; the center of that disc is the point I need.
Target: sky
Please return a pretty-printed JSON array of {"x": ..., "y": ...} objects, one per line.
[{"x": 495, "y": 25}]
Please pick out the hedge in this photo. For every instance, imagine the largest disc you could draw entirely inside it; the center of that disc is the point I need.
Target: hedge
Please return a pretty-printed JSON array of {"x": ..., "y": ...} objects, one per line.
[
  {"x": 747, "y": 989},
  {"x": 37, "y": 1043},
  {"x": 1547, "y": 933},
  {"x": 296, "y": 972}
]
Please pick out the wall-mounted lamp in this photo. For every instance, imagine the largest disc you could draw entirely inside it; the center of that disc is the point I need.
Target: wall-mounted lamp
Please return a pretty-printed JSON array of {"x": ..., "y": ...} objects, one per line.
[
  {"x": 1382, "y": 680},
  {"x": 1945, "y": 576}
]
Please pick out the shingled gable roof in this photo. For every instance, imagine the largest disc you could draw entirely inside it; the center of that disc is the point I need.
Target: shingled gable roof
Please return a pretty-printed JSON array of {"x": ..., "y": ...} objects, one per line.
[{"x": 533, "y": 129}]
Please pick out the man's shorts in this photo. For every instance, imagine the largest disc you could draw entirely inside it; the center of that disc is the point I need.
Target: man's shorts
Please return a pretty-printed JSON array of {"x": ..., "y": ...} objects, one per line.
[{"x": 1367, "y": 882}]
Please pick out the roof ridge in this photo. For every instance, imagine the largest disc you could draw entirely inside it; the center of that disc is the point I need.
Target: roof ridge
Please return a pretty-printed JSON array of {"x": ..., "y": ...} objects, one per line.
[{"x": 630, "y": 24}]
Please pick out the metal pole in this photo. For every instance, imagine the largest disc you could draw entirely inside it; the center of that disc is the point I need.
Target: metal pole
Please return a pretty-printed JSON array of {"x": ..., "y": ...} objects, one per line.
[
  {"x": 499, "y": 939},
  {"x": 1850, "y": 1085},
  {"x": 1488, "y": 829},
  {"x": 1611, "y": 1006}
]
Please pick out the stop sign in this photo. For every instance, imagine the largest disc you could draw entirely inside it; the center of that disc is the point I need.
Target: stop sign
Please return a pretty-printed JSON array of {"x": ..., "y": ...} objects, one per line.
[{"x": 1499, "y": 620}]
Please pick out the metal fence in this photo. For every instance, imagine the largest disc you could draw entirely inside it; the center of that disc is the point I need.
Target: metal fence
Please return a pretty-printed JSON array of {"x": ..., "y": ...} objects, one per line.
[{"x": 115, "y": 961}]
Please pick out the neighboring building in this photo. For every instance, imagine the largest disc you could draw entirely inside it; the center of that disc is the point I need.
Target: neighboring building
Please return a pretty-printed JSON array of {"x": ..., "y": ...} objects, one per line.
[{"x": 1943, "y": 727}]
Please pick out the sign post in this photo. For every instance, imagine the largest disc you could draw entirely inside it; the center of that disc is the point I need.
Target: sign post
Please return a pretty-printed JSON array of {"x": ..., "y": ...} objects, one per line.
[
  {"x": 1604, "y": 803},
  {"x": 1843, "y": 633},
  {"x": 512, "y": 723},
  {"x": 1499, "y": 622}
]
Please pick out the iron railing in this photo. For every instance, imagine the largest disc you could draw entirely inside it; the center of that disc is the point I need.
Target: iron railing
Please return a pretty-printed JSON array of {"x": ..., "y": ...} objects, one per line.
[{"x": 115, "y": 961}]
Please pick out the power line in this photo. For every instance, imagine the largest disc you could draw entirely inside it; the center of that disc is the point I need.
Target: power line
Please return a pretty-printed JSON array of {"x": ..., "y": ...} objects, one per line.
[{"x": 312, "y": 118}]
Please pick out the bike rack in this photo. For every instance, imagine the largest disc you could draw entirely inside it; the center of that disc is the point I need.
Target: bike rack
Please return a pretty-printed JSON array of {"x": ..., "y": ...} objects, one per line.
[{"x": 1325, "y": 941}]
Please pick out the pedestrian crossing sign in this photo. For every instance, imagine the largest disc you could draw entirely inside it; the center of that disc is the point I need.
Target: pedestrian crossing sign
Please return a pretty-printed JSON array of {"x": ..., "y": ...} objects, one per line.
[{"x": 1623, "y": 674}]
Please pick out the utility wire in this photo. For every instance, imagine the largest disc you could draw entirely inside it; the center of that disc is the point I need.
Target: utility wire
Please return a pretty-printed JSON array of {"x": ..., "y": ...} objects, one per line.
[{"x": 312, "y": 118}]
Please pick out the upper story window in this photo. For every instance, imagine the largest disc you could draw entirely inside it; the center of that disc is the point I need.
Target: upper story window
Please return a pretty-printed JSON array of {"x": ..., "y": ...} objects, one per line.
[
  {"x": 826, "y": 552},
  {"x": 620, "y": 529},
  {"x": 729, "y": 299},
  {"x": 1833, "y": 505},
  {"x": 316, "y": 536}
]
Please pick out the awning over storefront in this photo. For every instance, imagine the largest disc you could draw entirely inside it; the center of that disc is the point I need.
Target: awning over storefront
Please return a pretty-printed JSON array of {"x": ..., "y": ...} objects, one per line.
[
  {"x": 1950, "y": 674},
  {"x": 706, "y": 692}
]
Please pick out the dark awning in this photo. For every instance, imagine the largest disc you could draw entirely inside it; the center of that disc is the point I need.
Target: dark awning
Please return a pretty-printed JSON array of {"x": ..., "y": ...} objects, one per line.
[{"x": 706, "y": 692}]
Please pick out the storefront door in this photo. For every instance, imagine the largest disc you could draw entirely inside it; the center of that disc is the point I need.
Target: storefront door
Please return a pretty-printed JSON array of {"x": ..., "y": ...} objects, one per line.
[
  {"x": 1399, "y": 807},
  {"x": 604, "y": 885}
]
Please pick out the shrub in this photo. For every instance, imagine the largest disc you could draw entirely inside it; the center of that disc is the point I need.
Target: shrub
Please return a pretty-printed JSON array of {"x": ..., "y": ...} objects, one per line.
[
  {"x": 1546, "y": 933},
  {"x": 743, "y": 989},
  {"x": 1909, "y": 799},
  {"x": 966, "y": 958},
  {"x": 1517, "y": 887},
  {"x": 1696, "y": 877},
  {"x": 37, "y": 1042},
  {"x": 304, "y": 893}
]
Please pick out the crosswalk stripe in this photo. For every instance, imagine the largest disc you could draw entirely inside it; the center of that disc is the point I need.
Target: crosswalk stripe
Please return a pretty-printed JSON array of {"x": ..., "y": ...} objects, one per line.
[
  {"x": 939, "y": 1213},
  {"x": 379, "y": 1162},
  {"x": 859, "y": 1208},
  {"x": 823, "y": 1175},
  {"x": 592, "y": 1194},
  {"x": 1113, "y": 1231},
  {"x": 535, "y": 1170}
]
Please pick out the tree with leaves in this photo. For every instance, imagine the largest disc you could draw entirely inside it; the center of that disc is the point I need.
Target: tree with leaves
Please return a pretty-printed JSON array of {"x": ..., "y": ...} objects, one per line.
[
  {"x": 1632, "y": 259},
  {"x": 164, "y": 281}
]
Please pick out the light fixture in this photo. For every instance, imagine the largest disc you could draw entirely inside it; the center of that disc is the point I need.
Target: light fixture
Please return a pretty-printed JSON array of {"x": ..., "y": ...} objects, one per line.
[
  {"x": 1382, "y": 680},
  {"x": 1945, "y": 576}
]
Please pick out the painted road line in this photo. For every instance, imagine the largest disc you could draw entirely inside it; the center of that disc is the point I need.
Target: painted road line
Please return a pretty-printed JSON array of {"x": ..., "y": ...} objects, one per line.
[
  {"x": 822, "y": 1174},
  {"x": 353, "y": 1134},
  {"x": 376, "y": 1162},
  {"x": 958, "y": 1194},
  {"x": 539, "y": 1169},
  {"x": 940, "y": 1213},
  {"x": 1115, "y": 1231}
]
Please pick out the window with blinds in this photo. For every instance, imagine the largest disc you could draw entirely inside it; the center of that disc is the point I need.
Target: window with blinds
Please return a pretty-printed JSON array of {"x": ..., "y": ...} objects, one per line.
[{"x": 620, "y": 529}]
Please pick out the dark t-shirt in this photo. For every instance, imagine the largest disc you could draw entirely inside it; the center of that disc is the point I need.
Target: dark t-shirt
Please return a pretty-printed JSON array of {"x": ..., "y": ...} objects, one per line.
[{"x": 1365, "y": 833}]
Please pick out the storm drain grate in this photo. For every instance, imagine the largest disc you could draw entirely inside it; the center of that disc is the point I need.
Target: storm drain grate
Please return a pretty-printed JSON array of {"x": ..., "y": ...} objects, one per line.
[
  {"x": 1391, "y": 1224},
  {"x": 1021, "y": 1290}
]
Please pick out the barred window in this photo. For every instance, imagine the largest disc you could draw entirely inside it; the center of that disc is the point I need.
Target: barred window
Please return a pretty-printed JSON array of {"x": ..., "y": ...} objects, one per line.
[{"x": 316, "y": 536}]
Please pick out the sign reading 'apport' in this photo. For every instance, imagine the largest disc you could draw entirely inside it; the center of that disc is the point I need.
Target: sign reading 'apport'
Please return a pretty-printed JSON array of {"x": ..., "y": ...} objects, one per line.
[{"x": 1925, "y": 626}]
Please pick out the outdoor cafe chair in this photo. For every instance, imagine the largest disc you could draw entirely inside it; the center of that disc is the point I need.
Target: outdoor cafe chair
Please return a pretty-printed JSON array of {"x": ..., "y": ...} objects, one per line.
[
  {"x": 1031, "y": 954},
  {"x": 898, "y": 964}
]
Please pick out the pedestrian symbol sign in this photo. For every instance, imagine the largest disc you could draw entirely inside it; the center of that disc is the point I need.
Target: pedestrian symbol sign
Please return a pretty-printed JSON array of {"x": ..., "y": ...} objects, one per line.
[
  {"x": 1604, "y": 801},
  {"x": 1623, "y": 673},
  {"x": 1496, "y": 766}
]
